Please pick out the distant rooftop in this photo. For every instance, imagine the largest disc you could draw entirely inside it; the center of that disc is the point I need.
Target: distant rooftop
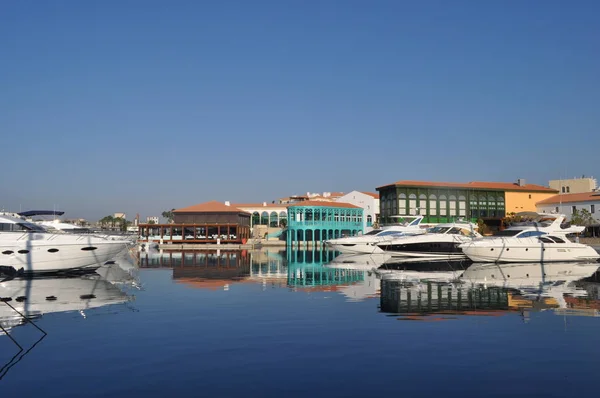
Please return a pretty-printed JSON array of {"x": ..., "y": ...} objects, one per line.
[
  {"x": 210, "y": 207},
  {"x": 504, "y": 186},
  {"x": 317, "y": 203},
  {"x": 571, "y": 198}
]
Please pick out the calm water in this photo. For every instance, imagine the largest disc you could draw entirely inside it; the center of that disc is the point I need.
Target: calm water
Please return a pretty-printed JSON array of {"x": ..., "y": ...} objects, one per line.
[{"x": 274, "y": 324}]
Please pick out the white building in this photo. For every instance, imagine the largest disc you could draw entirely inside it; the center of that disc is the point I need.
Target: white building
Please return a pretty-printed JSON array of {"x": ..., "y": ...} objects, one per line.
[
  {"x": 567, "y": 203},
  {"x": 368, "y": 201},
  {"x": 575, "y": 185},
  {"x": 152, "y": 220},
  {"x": 268, "y": 214}
]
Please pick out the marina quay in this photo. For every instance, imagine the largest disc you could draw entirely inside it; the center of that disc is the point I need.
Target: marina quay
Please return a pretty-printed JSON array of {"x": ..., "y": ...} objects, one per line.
[{"x": 313, "y": 218}]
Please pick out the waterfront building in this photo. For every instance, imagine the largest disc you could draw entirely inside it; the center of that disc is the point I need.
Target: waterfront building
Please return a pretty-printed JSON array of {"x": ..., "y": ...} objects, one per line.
[
  {"x": 442, "y": 202},
  {"x": 574, "y": 185},
  {"x": 210, "y": 222},
  {"x": 567, "y": 204},
  {"x": 315, "y": 221},
  {"x": 268, "y": 214},
  {"x": 368, "y": 201},
  {"x": 152, "y": 220}
]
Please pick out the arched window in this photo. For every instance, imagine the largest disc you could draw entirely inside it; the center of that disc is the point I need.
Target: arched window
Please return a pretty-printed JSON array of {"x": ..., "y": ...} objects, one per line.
[
  {"x": 443, "y": 205},
  {"x": 452, "y": 205},
  {"x": 282, "y": 218},
  {"x": 422, "y": 204},
  {"x": 264, "y": 218},
  {"x": 255, "y": 218},
  {"x": 308, "y": 214},
  {"x": 412, "y": 204},
  {"x": 273, "y": 219},
  {"x": 432, "y": 205},
  {"x": 369, "y": 220},
  {"x": 462, "y": 206},
  {"x": 402, "y": 204}
]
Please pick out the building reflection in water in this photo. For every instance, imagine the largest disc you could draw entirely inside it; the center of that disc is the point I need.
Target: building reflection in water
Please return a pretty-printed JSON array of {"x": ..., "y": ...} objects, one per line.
[
  {"x": 494, "y": 289},
  {"x": 299, "y": 270},
  {"x": 414, "y": 292}
]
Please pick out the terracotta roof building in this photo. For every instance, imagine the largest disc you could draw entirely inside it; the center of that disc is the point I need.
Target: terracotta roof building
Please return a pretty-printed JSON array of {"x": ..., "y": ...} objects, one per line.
[
  {"x": 444, "y": 201},
  {"x": 209, "y": 222},
  {"x": 567, "y": 204}
]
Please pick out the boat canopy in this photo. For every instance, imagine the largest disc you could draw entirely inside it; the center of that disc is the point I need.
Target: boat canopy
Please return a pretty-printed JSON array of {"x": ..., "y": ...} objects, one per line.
[{"x": 31, "y": 213}]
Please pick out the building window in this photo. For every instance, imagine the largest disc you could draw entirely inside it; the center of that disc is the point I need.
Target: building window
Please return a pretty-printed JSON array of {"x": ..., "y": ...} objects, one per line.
[
  {"x": 556, "y": 209},
  {"x": 402, "y": 205},
  {"x": 568, "y": 190},
  {"x": 452, "y": 205},
  {"x": 462, "y": 206},
  {"x": 592, "y": 208},
  {"x": 574, "y": 209},
  {"x": 432, "y": 205},
  {"x": 443, "y": 205},
  {"x": 529, "y": 196},
  {"x": 563, "y": 190},
  {"x": 412, "y": 204}
]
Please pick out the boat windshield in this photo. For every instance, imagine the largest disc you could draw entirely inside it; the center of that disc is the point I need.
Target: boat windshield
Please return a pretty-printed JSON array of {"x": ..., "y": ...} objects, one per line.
[
  {"x": 21, "y": 227},
  {"x": 438, "y": 230},
  {"x": 407, "y": 220},
  {"x": 507, "y": 232},
  {"x": 373, "y": 232},
  {"x": 387, "y": 233}
]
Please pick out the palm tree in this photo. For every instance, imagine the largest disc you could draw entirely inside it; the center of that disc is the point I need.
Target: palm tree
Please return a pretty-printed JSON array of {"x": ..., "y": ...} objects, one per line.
[
  {"x": 168, "y": 215},
  {"x": 108, "y": 220}
]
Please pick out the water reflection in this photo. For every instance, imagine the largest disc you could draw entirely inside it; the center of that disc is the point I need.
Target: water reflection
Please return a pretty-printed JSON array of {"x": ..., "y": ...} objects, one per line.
[
  {"x": 310, "y": 270},
  {"x": 491, "y": 289},
  {"x": 410, "y": 289},
  {"x": 25, "y": 300}
]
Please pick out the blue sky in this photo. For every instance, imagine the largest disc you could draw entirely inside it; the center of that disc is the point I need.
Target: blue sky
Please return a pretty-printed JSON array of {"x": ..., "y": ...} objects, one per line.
[{"x": 142, "y": 106}]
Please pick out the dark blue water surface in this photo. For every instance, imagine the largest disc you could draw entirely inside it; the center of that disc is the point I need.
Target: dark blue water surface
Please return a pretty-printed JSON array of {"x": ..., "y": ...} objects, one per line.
[{"x": 271, "y": 324}]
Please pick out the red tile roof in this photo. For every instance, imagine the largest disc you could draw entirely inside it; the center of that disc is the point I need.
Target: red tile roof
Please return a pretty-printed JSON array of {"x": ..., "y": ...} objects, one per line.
[
  {"x": 571, "y": 198},
  {"x": 503, "y": 186},
  {"x": 210, "y": 207},
  {"x": 374, "y": 195},
  {"x": 259, "y": 205},
  {"x": 314, "y": 203}
]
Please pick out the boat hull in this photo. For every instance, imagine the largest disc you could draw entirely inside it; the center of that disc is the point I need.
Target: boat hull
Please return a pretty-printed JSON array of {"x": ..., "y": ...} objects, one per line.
[
  {"x": 31, "y": 257},
  {"x": 532, "y": 252}
]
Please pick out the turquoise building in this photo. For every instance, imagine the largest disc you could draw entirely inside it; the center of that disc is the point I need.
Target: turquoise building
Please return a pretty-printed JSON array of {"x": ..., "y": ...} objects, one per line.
[{"x": 315, "y": 221}]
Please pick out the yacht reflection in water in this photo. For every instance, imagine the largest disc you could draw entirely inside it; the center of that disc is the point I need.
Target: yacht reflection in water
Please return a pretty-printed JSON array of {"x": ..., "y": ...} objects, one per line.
[
  {"x": 491, "y": 290},
  {"x": 22, "y": 301}
]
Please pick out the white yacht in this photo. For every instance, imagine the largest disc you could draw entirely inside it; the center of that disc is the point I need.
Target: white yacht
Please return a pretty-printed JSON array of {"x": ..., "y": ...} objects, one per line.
[
  {"x": 542, "y": 240},
  {"x": 28, "y": 248},
  {"x": 441, "y": 242},
  {"x": 367, "y": 243}
]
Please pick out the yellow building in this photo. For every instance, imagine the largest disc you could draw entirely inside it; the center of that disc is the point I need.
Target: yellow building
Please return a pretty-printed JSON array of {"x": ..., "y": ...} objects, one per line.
[{"x": 517, "y": 201}]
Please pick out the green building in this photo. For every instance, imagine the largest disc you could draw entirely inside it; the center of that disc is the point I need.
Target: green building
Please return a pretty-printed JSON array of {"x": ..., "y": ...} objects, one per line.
[{"x": 441, "y": 202}]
